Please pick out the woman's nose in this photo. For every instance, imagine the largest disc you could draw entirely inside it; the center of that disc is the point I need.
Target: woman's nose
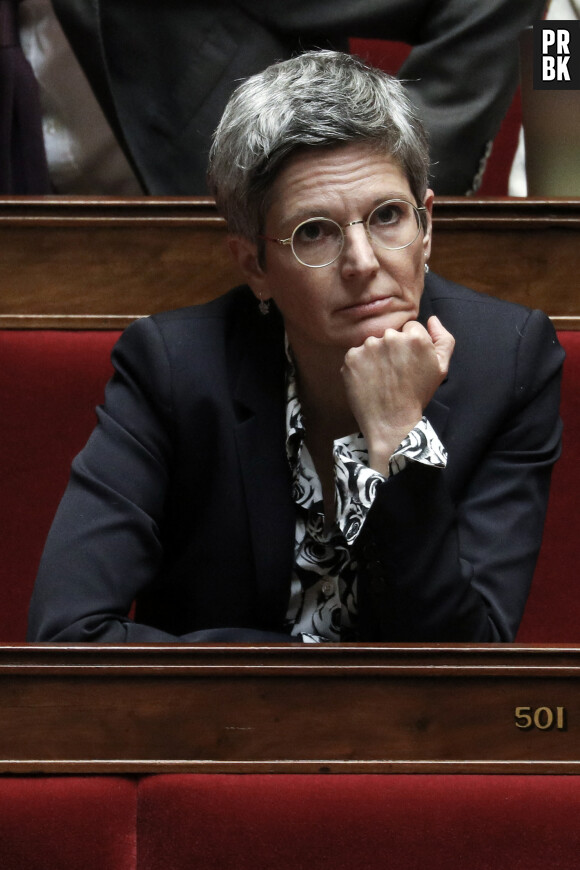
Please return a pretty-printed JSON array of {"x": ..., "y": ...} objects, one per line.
[{"x": 358, "y": 255}]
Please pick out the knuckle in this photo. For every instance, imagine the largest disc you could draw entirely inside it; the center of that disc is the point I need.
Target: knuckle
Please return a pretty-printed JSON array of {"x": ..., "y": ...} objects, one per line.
[
  {"x": 389, "y": 336},
  {"x": 351, "y": 357},
  {"x": 370, "y": 346}
]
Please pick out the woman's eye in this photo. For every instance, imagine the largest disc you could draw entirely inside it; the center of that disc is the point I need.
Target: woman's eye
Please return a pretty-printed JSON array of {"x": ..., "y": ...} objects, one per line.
[
  {"x": 387, "y": 214},
  {"x": 314, "y": 231}
]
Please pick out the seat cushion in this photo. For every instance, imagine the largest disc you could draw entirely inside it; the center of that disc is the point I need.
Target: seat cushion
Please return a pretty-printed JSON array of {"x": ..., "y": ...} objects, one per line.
[
  {"x": 358, "y": 822},
  {"x": 67, "y": 823}
]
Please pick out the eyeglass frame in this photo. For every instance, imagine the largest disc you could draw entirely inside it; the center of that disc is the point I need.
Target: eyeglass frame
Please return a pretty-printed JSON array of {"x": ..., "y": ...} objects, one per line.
[{"x": 343, "y": 227}]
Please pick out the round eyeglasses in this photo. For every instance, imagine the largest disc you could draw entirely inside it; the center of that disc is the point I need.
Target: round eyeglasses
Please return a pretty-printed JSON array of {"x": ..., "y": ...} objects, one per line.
[{"x": 319, "y": 241}]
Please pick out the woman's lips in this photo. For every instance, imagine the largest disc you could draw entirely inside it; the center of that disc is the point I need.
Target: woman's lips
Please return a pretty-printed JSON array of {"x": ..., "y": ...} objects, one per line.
[{"x": 372, "y": 306}]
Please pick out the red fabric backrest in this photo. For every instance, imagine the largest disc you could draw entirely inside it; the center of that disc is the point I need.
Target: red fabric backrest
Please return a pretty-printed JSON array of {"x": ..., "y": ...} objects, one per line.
[
  {"x": 553, "y": 610},
  {"x": 50, "y": 384}
]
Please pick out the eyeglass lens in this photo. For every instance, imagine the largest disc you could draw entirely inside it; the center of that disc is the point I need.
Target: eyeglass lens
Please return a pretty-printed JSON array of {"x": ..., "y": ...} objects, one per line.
[{"x": 392, "y": 225}]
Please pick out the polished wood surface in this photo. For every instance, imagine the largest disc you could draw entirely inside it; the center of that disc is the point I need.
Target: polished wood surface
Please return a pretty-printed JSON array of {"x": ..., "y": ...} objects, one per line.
[
  {"x": 101, "y": 262},
  {"x": 330, "y": 708}
]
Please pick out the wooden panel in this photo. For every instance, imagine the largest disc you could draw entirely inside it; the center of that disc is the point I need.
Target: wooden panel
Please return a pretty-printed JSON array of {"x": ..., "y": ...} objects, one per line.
[
  {"x": 101, "y": 262},
  {"x": 522, "y": 250},
  {"x": 329, "y": 708}
]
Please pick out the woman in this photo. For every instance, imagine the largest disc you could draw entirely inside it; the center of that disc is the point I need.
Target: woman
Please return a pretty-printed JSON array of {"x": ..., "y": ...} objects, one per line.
[{"x": 341, "y": 450}]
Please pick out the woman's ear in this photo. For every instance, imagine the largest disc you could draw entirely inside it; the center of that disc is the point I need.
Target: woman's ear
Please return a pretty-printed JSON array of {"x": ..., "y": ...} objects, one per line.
[
  {"x": 245, "y": 254},
  {"x": 427, "y": 235}
]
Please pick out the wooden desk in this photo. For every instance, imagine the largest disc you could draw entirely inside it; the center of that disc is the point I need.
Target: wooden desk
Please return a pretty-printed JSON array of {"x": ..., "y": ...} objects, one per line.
[
  {"x": 101, "y": 262},
  {"x": 289, "y": 708}
]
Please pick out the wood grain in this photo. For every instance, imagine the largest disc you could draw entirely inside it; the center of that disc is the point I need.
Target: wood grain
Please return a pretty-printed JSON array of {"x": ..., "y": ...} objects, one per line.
[
  {"x": 335, "y": 708},
  {"x": 100, "y": 263}
]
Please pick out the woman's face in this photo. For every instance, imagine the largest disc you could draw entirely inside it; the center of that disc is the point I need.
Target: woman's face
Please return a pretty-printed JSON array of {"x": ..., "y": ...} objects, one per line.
[{"x": 368, "y": 288}]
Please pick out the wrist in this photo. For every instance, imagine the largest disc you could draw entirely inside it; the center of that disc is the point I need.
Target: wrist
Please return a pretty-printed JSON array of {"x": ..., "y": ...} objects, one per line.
[{"x": 383, "y": 443}]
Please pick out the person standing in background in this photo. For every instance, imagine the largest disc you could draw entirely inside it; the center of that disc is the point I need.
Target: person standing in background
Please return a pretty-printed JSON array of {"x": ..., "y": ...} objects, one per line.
[{"x": 162, "y": 76}]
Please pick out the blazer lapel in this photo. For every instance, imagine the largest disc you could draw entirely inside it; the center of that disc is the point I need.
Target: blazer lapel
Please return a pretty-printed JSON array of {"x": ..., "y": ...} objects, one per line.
[{"x": 260, "y": 434}]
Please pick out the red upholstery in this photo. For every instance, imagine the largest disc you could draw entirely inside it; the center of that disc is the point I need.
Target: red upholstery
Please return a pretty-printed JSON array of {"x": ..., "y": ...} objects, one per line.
[
  {"x": 50, "y": 383},
  {"x": 260, "y": 822},
  {"x": 68, "y": 823},
  {"x": 553, "y": 610},
  {"x": 358, "y": 822}
]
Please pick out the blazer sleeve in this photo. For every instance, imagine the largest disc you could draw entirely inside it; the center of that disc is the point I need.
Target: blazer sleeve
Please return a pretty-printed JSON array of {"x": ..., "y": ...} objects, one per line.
[
  {"x": 105, "y": 544},
  {"x": 458, "y": 43},
  {"x": 438, "y": 563}
]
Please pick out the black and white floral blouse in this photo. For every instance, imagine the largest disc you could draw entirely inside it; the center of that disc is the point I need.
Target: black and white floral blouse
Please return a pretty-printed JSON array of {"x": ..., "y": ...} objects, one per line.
[{"x": 323, "y": 595}]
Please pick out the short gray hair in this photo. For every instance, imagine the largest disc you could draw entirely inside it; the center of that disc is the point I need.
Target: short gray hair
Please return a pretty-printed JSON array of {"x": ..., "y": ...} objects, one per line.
[{"x": 317, "y": 99}]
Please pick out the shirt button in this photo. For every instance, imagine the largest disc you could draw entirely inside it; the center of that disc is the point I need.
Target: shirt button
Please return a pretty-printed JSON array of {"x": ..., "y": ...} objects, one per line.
[{"x": 328, "y": 588}]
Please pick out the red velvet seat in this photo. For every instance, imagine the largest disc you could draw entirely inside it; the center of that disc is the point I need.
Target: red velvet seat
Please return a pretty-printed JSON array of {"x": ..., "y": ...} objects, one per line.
[
  {"x": 68, "y": 823},
  {"x": 358, "y": 822},
  {"x": 258, "y": 822}
]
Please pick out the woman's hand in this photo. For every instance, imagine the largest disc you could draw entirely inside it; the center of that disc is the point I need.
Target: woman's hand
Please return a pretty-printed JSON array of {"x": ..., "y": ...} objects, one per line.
[{"x": 390, "y": 380}]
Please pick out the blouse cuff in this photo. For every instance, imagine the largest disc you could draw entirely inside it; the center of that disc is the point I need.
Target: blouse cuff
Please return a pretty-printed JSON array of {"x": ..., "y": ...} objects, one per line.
[{"x": 356, "y": 484}]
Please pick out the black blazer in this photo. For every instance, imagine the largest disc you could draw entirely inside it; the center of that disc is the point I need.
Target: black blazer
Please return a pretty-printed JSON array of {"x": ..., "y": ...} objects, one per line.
[
  {"x": 163, "y": 72},
  {"x": 182, "y": 499}
]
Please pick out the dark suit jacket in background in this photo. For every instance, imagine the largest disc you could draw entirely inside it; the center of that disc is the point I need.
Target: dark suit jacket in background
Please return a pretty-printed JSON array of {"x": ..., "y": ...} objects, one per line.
[
  {"x": 164, "y": 71},
  {"x": 23, "y": 166},
  {"x": 182, "y": 497}
]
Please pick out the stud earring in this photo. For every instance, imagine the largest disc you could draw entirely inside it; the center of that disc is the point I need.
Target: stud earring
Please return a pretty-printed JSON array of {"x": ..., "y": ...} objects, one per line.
[
  {"x": 264, "y": 306},
  {"x": 426, "y": 267}
]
